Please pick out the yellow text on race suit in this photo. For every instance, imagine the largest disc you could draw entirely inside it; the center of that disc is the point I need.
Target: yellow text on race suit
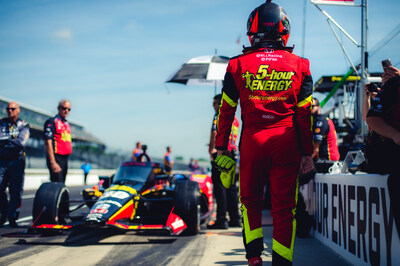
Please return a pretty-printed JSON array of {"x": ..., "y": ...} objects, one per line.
[
  {"x": 267, "y": 98},
  {"x": 268, "y": 81}
]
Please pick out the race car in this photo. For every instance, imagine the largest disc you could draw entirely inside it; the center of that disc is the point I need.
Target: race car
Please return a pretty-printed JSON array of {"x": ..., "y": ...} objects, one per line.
[{"x": 139, "y": 197}]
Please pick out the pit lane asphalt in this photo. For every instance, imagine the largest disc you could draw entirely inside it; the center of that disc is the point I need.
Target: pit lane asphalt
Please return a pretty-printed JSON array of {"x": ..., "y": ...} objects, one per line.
[{"x": 96, "y": 246}]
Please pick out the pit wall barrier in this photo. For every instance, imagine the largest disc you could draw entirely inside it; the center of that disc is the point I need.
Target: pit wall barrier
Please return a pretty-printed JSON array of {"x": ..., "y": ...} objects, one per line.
[
  {"x": 35, "y": 177},
  {"x": 352, "y": 216}
]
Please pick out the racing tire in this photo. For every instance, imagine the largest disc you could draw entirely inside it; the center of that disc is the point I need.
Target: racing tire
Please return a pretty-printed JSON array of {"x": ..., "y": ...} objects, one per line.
[
  {"x": 51, "y": 204},
  {"x": 187, "y": 205}
]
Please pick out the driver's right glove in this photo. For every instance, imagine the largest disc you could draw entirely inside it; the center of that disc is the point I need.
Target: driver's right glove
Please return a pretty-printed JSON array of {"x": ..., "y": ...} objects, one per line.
[{"x": 227, "y": 166}]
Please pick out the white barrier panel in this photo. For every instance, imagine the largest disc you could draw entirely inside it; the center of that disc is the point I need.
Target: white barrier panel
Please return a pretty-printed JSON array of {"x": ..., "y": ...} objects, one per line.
[
  {"x": 35, "y": 177},
  {"x": 353, "y": 217}
]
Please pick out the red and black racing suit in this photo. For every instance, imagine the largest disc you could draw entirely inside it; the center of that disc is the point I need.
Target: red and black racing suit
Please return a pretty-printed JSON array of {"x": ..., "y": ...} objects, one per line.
[{"x": 274, "y": 87}]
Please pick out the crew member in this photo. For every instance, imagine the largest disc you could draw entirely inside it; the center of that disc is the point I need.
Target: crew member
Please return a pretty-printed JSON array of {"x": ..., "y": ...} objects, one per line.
[
  {"x": 14, "y": 134},
  {"x": 383, "y": 146},
  {"x": 226, "y": 198},
  {"x": 274, "y": 87},
  {"x": 325, "y": 141},
  {"x": 86, "y": 167},
  {"x": 137, "y": 151},
  {"x": 168, "y": 162},
  {"x": 57, "y": 137}
]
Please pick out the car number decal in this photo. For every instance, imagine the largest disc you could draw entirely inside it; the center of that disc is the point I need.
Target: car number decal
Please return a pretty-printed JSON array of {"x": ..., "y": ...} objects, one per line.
[{"x": 113, "y": 202}]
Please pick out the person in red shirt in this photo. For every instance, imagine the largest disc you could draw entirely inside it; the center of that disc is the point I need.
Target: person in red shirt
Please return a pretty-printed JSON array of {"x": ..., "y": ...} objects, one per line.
[
  {"x": 325, "y": 140},
  {"x": 274, "y": 88},
  {"x": 58, "y": 142}
]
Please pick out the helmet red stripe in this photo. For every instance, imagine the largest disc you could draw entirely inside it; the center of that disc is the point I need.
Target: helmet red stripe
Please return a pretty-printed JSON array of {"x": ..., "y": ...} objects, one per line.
[
  {"x": 254, "y": 25},
  {"x": 281, "y": 28}
]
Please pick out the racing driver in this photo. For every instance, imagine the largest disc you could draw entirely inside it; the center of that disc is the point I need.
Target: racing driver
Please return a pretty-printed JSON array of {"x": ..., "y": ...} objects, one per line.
[{"x": 274, "y": 87}]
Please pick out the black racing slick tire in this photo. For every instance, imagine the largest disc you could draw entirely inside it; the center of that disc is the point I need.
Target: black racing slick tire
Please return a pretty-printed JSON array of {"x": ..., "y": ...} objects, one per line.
[
  {"x": 51, "y": 204},
  {"x": 187, "y": 205}
]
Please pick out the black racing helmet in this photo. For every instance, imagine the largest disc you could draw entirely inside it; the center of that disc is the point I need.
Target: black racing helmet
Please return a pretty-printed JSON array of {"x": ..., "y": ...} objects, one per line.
[{"x": 268, "y": 22}]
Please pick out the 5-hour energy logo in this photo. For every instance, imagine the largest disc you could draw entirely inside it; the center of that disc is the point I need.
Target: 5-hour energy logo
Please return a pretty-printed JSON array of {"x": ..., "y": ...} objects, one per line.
[{"x": 265, "y": 80}]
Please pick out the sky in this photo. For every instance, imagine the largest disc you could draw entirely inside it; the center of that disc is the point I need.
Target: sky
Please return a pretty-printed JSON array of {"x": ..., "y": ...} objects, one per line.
[{"x": 112, "y": 58}]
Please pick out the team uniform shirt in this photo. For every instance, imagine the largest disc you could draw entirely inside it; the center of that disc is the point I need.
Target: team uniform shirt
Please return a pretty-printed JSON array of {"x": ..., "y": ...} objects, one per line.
[
  {"x": 234, "y": 132},
  {"x": 13, "y": 138},
  {"x": 325, "y": 134},
  {"x": 273, "y": 93},
  {"x": 60, "y": 132}
]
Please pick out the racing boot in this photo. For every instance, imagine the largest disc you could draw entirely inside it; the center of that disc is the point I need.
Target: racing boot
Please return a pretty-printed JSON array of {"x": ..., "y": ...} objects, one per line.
[{"x": 255, "y": 261}]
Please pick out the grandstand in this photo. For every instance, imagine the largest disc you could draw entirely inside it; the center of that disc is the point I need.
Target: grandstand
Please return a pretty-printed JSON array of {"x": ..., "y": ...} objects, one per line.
[{"x": 85, "y": 145}]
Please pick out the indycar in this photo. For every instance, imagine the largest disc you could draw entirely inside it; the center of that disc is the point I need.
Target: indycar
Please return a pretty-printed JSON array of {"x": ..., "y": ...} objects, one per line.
[{"x": 139, "y": 197}]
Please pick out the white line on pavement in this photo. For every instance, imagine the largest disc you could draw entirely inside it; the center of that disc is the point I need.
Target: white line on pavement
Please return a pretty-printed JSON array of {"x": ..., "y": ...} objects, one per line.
[{"x": 28, "y": 196}]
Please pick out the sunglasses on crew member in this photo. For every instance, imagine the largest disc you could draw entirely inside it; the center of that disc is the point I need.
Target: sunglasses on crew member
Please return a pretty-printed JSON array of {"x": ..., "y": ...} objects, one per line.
[
  {"x": 65, "y": 108},
  {"x": 10, "y": 108}
]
